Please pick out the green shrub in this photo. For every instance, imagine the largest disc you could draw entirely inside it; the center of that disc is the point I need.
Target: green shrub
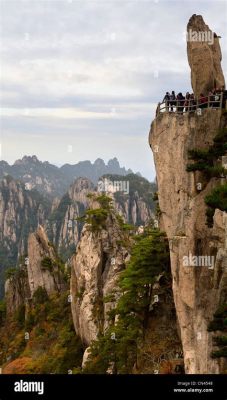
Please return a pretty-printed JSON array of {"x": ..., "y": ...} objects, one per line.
[
  {"x": 10, "y": 272},
  {"x": 20, "y": 315},
  {"x": 2, "y": 311},
  {"x": 219, "y": 323},
  {"x": 105, "y": 202},
  {"x": 208, "y": 161},
  {"x": 47, "y": 263},
  {"x": 97, "y": 217},
  {"x": 221, "y": 340},
  {"x": 219, "y": 353},
  {"x": 40, "y": 296},
  {"x": 209, "y": 216},
  {"x": 30, "y": 320},
  {"x": 218, "y": 198}
]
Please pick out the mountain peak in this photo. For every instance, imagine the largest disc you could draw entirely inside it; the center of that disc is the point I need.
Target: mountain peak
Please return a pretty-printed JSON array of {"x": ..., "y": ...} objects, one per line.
[
  {"x": 99, "y": 162},
  {"x": 204, "y": 56},
  {"x": 113, "y": 163},
  {"x": 27, "y": 160}
]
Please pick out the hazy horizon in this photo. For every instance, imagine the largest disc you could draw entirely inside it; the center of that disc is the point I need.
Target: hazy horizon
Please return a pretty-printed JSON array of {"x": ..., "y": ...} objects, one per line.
[{"x": 85, "y": 160}]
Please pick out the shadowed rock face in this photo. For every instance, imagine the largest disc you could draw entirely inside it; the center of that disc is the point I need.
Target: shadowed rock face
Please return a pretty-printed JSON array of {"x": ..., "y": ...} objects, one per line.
[
  {"x": 204, "y": 57},
  {"x": 95, "y": 271},
  {"x": 16, "y": 291}
]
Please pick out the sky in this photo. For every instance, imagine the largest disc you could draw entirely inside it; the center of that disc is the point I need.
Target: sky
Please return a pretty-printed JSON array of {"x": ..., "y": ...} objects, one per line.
[{"x": 81, "y": 80}]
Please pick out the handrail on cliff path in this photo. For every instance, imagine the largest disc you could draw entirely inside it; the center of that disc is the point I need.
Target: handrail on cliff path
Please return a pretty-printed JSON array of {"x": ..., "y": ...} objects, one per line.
[{"x": 190, "y": 105}]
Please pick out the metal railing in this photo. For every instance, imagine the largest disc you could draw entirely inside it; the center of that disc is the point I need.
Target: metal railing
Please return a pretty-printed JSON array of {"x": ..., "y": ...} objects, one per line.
[{"x": 214, "y": 101}]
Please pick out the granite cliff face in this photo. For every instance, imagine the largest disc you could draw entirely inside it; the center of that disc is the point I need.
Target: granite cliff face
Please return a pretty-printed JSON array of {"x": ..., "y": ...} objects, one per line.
[
  {"x": 63, "y": 228},
  {"x": 204, "y": 57},
  {"x": 21, "y": 211},
  {"x": 95, "y": 270},
  {"x": 17, "y": 291},
  {"x": 134, "y": 210},
  {"x": 198, "y": 290},
  {"x": 41, "y": 268},
  {"x": 42, "y": 264},
  {"x": 135, "y": 206}
]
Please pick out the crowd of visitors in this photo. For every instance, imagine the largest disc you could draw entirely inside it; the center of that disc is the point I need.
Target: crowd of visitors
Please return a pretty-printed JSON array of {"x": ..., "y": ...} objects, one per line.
[{"x": 216, "y": 98}]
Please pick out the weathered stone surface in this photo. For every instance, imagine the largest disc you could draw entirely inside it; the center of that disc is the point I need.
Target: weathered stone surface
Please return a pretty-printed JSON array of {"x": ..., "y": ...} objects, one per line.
[
  {"x": 197, "y": 290},
  {"x": 16, "y": 291},
  {"x": 63, "y": 227},
  {"x": 134, "y": 209},
  {"x": 86, "y": 357},
  {"x": 95, "y": 269},
  {"x": 20, "y": 213},
  {"x": 204, "y": 58},
  {"x": 38, "y": 249}
]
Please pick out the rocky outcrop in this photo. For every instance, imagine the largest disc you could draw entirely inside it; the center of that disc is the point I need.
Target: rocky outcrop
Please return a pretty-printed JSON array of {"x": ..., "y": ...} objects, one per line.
[
  {"x": 134, "y": 210},
  {"x": 40, "y": 268},
  {"x": 183, "y": 217},
  {"x": 63, "y": 227},
  {"x": 95, "y": 269},
  {"x": 198, "y": 289},
  {"x": 21, "y": 211},
  {"x": 43, "y": 266},
  {"x": 134, "y": 200},
  {"x": 204, "y": 56},
  {"x": 17, "y": 291}
]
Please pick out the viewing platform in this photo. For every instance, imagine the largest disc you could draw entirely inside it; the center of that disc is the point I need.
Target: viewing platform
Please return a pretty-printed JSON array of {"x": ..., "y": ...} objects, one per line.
[{"x": 216, "y": 101}]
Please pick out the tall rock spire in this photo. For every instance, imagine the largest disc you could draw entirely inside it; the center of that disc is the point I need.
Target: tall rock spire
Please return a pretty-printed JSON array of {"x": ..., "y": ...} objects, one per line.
[
  {"x": 198, "y": 288},
  {"x": 204, "y": 56}
]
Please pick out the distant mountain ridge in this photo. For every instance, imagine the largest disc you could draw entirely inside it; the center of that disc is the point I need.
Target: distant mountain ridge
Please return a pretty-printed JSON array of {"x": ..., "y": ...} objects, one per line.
[{"x": 54, "y": 181}]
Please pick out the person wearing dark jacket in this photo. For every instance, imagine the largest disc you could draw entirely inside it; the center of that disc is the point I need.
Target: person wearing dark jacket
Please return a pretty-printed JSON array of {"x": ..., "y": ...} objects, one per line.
[
  {"x": 192, "y": 102},
  {"x": 186, "y": 103},
  {"x": 202, "y": 101},
  {"x": 166, "y": 100},
  {"x": 172, "y": 100},
  {"x": 180, "y": 103},
  {"x": 211, "y": 99}
]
